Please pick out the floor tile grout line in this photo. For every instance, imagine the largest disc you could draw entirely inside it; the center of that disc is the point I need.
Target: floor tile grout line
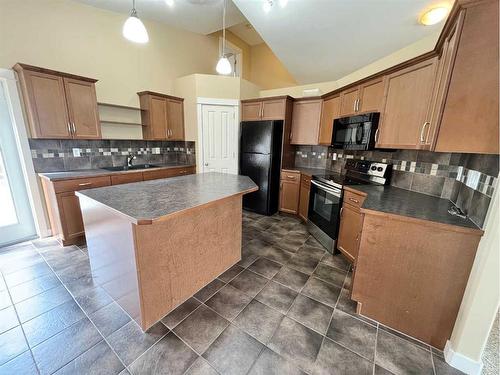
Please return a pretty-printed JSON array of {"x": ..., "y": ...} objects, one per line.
[
  {"x": 85, "y": 313},
  {"x": 22, "y": 329},
  {"x": 433, "y": 364}
]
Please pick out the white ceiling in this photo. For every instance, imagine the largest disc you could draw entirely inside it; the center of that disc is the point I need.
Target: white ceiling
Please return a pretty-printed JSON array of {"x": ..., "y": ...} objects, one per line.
[
  {"x": 323, "y": 40},
  {"x": 247, "y": 33},
  {"x": 199, "y": 16}
]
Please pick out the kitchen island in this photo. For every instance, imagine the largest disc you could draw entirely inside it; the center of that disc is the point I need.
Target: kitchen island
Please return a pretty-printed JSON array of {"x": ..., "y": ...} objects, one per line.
[{"x": 153, "y": 244}]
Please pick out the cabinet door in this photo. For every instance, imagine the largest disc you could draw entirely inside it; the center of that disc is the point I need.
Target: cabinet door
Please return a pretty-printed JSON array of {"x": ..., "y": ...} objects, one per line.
[
  {"x": 46, "y": 105},
  {"x": 348, "y": 101},
  {"x": 289, "y": 197},
  {"x": 158, "y": 118},
  {"x": 273, "y": 109},
  {"x": 470, "y": 118},
  {"x": 406, "y": 112},
  {"x": 175, "y": 120},
  {"x": 251, "y": 111},
  {"x": 304, "y": 201},
  {"x": 371, "y": 96},
  {"x": 305, "y": 122},
  {"x": 351, "y": 224},
  {"x": 82, "y": 108},
  {"x": 329, "y": 112},
  {"x": 70, "y": 215}
]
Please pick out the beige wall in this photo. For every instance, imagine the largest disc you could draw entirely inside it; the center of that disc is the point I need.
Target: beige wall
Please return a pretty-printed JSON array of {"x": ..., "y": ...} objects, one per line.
[
  {"x": 69, "y": 36},
  {"x": 267, "y": 71},
  {"x": 482, "y": 296},
  {"x": 413, "y": 50}
]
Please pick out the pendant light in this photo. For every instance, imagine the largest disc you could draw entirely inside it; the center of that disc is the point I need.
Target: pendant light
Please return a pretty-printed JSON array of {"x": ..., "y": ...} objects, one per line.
[
  {"x": 224, "y": 66},
  {"x": 133, "y": 28}
]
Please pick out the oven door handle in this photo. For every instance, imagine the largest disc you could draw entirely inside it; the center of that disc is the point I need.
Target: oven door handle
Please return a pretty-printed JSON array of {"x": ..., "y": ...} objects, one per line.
[{"x": 328, "y": 189}]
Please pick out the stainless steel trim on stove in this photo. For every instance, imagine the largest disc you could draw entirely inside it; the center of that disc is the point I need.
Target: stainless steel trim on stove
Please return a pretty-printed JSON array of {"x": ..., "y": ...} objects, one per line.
[
  {"x": 322, "y": 237},
  {"x": 329, "y": 189}
]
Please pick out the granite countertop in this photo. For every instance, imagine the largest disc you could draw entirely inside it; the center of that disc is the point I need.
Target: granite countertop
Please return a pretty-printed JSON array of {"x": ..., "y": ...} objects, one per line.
[
  {"x": 144, "y": 202},
  {"x": 68, "y": 175},
  {"x": 407, "y": 203}
]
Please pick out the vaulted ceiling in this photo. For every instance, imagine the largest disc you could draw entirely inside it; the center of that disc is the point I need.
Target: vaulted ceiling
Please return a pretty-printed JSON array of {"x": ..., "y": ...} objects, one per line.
[{"x": 316, "y": 40}]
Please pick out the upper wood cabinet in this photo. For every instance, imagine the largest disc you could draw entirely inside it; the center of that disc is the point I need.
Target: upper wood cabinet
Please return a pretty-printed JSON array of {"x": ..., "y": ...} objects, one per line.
[
  {"x": 306, "y": 118},
  {"x": 367, "y": 97},
  {"x": 162, "y": 116},
  {"x": 406, "y": 117},
  {"x": 59, "y": 105},
  {"x": 330, "y": 111},
  {"x": 264, "y": 109},
  {"x": 469, "y": 119}
]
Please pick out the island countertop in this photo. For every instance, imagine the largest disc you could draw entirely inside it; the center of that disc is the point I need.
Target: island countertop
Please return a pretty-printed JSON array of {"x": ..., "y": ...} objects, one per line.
[{"x": 148, "y": 201}]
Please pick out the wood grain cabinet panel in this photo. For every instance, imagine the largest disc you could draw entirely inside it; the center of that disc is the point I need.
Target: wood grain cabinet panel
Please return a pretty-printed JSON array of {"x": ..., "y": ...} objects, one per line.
[
  {"x": 349, "y": 100},
  {"x": 251, "y": 111},
  {"x": 126, "y": 178},
  {"x": 82, "y": 108},
  {"x": 158, "y": 117},
  {"x": 289, "y": 191},
  {"x": 371, "y": 96},
  {"x": 305, "y": 122},
  {"x": 273, "y": 109},
  {"x": 329, "y": 112},
  {"x": 45, "y": 103},
  {"x": 59, "y": 105},
  {"x": 470, "y": 117},
  {"x": 406, "y": 116},
  {"x": 175, "y": 120},
  {"x": 351, "y": 225},
  {"x": 305, "y": 189},
  {"x": 71, "y": 217}
]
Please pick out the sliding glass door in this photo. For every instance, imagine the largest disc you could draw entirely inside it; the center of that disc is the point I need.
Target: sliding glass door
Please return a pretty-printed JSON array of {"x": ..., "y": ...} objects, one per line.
[{"x": 16, "y": 219}]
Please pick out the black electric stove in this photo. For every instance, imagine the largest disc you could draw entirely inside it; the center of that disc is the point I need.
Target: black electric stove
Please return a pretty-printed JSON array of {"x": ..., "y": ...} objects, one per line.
[{"x": 325, "y": 199}]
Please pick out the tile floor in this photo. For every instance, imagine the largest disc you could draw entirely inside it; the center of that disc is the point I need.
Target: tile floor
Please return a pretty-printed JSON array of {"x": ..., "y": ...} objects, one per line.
[{"x": 284, "y": 309}]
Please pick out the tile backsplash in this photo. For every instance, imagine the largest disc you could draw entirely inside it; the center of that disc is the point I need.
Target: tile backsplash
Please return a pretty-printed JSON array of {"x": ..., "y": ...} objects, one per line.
[
  {"x": 467, "y": 180},
  {"x": 52, "y": 155}
]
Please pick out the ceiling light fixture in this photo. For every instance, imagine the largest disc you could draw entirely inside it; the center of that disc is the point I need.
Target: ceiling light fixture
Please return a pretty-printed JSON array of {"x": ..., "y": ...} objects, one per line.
[
  {"x": 133, "y": 28},
  {"x": 434, "y": 15},
  {"x": 283, "y": 3},
  {"x": 268, "y": 4},
  {"x": 224, "y": 66}
]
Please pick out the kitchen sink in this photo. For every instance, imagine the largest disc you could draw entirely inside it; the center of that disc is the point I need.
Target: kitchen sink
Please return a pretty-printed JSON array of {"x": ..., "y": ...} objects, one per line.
[{"x": 126, "y": 168}]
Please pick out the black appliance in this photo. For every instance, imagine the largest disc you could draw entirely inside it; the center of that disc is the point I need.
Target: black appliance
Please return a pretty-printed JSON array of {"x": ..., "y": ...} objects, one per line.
[
  {"x": 356, "y": 132},
  {"x": 325, "y": 198},
  {"x": 260, "y": 159}
]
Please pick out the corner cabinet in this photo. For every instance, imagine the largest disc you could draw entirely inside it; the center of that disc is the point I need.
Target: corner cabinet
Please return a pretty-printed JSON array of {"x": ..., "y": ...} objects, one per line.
[
  {"x": 162, "y": 116},
  {"x": 306, "y": 119},
  {"x": 59, "y": 105}
]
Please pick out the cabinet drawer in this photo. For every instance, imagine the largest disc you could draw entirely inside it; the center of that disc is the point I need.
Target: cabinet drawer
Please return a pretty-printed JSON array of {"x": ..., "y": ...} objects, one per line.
[
  {"x": 165, "y": 173},
  {"x": 290, "y": 176},
  {"x": 126, "y": 178},
  {"x": 353, "y": 199},
  {"x": 81, "y": 184},
  {"x": 182, "y": 171}
]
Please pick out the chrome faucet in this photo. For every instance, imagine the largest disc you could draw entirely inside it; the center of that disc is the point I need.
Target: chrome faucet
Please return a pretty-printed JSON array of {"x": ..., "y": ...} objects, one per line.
[{"x": 130, "y": 158}]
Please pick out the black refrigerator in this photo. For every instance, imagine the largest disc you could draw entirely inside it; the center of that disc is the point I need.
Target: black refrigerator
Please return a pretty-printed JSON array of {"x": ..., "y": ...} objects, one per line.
[{"x": 260, "y": 159}]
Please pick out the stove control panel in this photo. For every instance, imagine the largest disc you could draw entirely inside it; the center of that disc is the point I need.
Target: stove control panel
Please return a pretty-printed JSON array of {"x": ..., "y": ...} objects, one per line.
[{"x": 377, "y": 169}]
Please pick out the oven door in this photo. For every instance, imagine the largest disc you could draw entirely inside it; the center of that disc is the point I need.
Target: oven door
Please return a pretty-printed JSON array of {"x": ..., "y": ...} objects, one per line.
[{"x": 324, "y": 207}]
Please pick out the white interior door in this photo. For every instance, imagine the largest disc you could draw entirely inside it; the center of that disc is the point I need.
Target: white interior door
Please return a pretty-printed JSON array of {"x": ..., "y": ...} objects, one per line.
[
  {"x": 16, "y": 219},
  {"x": 220, "y": 139}
]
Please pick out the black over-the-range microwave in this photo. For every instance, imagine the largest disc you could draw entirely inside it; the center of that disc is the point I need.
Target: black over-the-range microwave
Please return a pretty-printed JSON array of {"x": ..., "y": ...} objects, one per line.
[{"x": 356, "y": 132}]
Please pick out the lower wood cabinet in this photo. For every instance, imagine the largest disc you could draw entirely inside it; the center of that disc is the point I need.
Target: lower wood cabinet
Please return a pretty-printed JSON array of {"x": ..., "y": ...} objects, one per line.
[
  {"x": 64, "y": 206},
  {"x": 305, "y": 189},
  {"x": 351, "y": 225},
  {"x": 289, "y": 191}
]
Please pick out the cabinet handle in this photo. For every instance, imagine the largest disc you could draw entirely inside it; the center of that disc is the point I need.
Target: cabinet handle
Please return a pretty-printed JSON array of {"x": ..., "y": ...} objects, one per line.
[
  {"x": 341, "y": 210},
  {"x": 376, "y": 136},
  {"x": 354, "y": 105},
  {"x": 357, "y": 105},
  {"x": 292, "y": 177},
  {"x": 291, "y": 134},
  {"x": 85, "y": 184},
  {"x": 74, "y": 128},
  {"x": 353, "y": 200},
  {"x": 69, "y": 128},
  {"x": 422, "y": 137}
]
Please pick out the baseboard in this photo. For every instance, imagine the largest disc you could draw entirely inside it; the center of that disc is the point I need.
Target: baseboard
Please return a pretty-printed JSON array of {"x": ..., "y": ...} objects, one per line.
[{"x": 461, "y": 362}]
